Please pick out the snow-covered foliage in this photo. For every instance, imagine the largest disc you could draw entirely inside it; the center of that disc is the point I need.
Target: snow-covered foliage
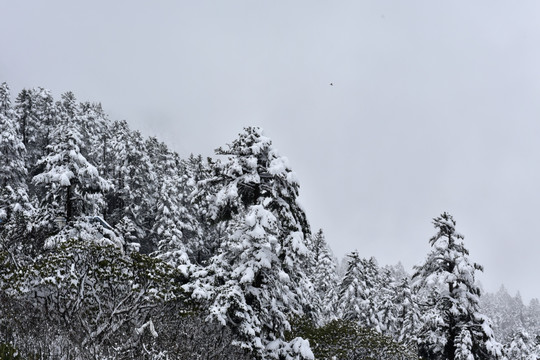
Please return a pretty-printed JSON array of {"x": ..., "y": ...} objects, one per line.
[
  {"x": 453, "y": 327},
  {"x": 112, "y": 246},
  {"x": 322, "y": 271},
  {"x": 515, "y": 324},
  {"x": 255, "y": 282},
  {"x": 13, "y": 173}
]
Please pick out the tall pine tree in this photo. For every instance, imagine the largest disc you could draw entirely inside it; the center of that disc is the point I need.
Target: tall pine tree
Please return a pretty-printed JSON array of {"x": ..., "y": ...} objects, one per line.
[
  {"x": 256, "y": 281},
  {"x": 453, "y": 327}
]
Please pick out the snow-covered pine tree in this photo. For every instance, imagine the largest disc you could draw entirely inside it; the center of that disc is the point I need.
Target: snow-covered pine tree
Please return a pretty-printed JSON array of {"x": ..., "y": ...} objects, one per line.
[
  {"x": 453, "y": 327},
  {"x": 256, "y": 281},
  {"x": 323, "y": 275},
  {"x": 95, "y": 129},
  {"x": 408, "y": 316},
  {"x": 172, "y": 222},
  {"x": 71, "y": 185},
  {"x": 26, "y": 117},
  {"x": 13, "y": 189},
  {"x": 45, "y": 111},
  {"x": 35, "y": 114},
  {"x": 387, "y": 315},
  {"x": 358, "y": 292},
  {"x": 201, "y": 187},
  {"x": 134, "y": 182}
]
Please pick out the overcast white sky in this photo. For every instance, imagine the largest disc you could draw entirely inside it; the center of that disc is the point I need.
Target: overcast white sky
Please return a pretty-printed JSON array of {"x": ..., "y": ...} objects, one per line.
[{"x": 435, "y": 105}]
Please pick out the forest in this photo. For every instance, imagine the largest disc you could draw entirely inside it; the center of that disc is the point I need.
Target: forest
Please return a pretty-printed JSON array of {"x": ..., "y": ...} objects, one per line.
[{"x": 112, "y": 246}]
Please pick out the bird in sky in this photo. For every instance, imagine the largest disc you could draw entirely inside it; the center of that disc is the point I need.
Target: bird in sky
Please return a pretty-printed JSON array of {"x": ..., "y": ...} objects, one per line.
[{"x": 331, "y": 84}]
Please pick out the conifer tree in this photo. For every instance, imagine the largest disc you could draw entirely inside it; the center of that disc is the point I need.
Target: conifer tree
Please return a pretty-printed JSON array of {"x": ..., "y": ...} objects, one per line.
[
  {"x": 522, "y": 347},
  {"x": 172, "y": 222},
  {"x": 506, "y": 312},
  {"x": 323, "y": 275},
  {"x": 95, "y": 129},
  {"x": 72, "y": 185},
  {"x": 24, "y": 108},
  {"x": 358, "y": 292},
  {"x": 35, "y": 114},
  {"x": 200, "y": 185},
  {"x": 47, "y": 119},
  {"x": 453, "y": 326},
  {"x": 408, "y": 316},
  {"x": 134, "y": 182},
  {"x": 13, "y": 189},
  {"x": 257, "y": 279}
]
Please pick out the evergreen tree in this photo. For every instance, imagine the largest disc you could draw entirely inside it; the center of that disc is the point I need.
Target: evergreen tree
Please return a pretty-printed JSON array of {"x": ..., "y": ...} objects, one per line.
[
  {"x": 45, "y": 111},
  {"x": 24, "y": 108},
  {"x": 200, "y": 186},
  {"x": 134, "y": 183},
  {"x": 323, "y": 275},
  {"x": 13, "y": 189},
  {"x": 507, "y": 313},
  {"x": 408, "y": 316},
  {"x": 172, "y": 224},
  {"x": 453, "y": 326},
  {"x": 358, "y": 292},
  {"x": 532, "y": 318},
  {"x": 256, "y": 281},
  {"x": 72, "y": 186},
  {"x": 35, "y": 113},
  {"x": 95, "y": 129}
]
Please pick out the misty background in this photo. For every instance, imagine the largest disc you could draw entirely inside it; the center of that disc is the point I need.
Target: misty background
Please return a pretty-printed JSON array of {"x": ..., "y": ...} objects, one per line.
[{"x": 434, "y": 105}]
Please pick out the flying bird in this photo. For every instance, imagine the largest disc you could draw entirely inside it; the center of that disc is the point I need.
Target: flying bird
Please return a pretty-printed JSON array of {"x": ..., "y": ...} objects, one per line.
[{"x": 331, "y": 84}]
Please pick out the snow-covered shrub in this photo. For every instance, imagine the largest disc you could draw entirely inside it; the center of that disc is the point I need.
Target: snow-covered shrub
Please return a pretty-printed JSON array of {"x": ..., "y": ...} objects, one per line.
[{"x": 346, "y": 340}]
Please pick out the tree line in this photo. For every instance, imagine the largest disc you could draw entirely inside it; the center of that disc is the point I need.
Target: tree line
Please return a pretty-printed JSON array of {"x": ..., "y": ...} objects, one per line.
[{"x": 112, "y": 246}]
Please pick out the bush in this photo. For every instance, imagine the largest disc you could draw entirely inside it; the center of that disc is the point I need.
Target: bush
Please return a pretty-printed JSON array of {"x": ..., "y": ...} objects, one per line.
[
  {"x": 346, "y": 340},
  {"x": 8, "y": 352}
]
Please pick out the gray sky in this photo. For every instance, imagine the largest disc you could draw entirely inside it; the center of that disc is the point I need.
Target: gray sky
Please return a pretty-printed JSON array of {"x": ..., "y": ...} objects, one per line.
[{"x": 435, "y": 105}]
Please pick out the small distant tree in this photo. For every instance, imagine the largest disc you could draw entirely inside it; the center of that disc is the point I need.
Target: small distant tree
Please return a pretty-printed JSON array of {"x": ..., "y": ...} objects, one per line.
[
  {"x": 522, "y": 347},
  {"x": 408, "y": 316},
  {"x": 323, "y": 275},
  {"x": 358, "y": 296}
]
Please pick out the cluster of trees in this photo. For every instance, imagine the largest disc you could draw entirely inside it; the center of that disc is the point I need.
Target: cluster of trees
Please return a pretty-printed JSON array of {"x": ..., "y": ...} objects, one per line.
[
  {"x": 514, "y": 323},
  {"x": 112, "y": 246}
]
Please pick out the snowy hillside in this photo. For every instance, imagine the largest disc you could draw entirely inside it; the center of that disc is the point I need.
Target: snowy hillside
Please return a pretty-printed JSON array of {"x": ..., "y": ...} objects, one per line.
[{"x": 114, "y": 247}]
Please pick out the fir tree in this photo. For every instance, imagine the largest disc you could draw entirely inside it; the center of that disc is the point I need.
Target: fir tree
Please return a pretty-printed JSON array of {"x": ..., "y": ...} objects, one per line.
[
  {"x": 200, "y": 187},
  {"x": 358, "y": 292},
  {"x": 172, "y": 222},
  {"x": 13, "y": 189},
  {"x": 323, "y": 275},
  {"x": 453, "y": 326},
  {"x": 408, "y": 316},
  {"x": 134, "y": 183},
  {"x": 260, "y": 263},
  {"x": 35, "y": 113},
  {"x": 72, "y": 185},
  {"x": 95, "y": 129}
]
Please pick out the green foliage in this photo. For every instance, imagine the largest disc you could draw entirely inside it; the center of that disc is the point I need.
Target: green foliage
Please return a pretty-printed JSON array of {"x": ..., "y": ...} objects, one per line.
[
  {"x": 8, "y": 352},
  {"x": 96, "y": 294},
  {"x": 342, "y": 339}
]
